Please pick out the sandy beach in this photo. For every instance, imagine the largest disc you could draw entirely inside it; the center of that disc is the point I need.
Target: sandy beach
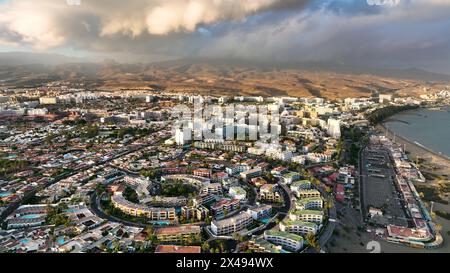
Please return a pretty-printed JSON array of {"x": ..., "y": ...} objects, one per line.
[{"x": 431, "y": 161}]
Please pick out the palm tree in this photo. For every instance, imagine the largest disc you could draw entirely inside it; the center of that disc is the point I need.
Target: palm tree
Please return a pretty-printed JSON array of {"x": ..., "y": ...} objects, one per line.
[
  {"x": 238, "y": 237},
  {"x": 330, "y": 203},
  {"x": 206, "y": 247},
  {"x": 312, "y": 241},
  {"x": 116, "y": 247}
]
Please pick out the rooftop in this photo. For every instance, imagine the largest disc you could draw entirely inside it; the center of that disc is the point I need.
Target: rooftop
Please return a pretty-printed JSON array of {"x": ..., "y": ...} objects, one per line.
[
  {"x": 284, "y": 234},
  {"x": 303, "y": 212},
  {"x": 177, "y": 249},
  {"x": 299, "y": 223},
  {"x": 291, "y": 174},
  {"x": 307, "y": 200},
  {"x": 300, "y": 182},
  {"x": 178, "y": 230}
]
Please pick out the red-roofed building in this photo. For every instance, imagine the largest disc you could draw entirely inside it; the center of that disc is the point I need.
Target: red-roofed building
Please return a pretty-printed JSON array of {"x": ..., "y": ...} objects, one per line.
[
  {"x": 177, "y": 234},
  {"x": 408, "y": 235},
  {"x": 177, "y": 249},
  {"x": 333, "y": 177},
  {"x": 225, "y": 206},
  {"x": 339, "y": 189},
  {"x": 202, "y": 173},
  {"x": 340, "y": 197},
  {"x": 258, "y": 181},
  {"x": 279, "y": 170},
  {"x": 221, "y": 176},
  {"x": 340, "y": 192}
]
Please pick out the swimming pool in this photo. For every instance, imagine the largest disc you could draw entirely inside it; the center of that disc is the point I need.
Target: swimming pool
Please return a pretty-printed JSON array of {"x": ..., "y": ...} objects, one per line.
[
  {"x": 72, "y": 210},
  {"x": 32, "y": 216},
  {"x": 5, "y": 194},
  {"x": 162, "y": 223},
  {"x": 25, "y": 241},
  {"x": 60, "y": 241}
]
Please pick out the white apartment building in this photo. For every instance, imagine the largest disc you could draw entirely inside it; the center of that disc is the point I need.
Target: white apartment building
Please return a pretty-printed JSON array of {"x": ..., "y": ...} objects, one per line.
[
  {"x": 313, "y": 216},
  {"x": 237, "y": 193},
  {"x": 251, "y": 173},
  {"x": 231, "y": 225},
  {"x": 237, "y": 169},
  {"x": 299, "y": 227},
  {"x": 183, "y": 136},
  {"x": 288, "y": 241},
  {"x": 334, "y": 128},
  {"x": 309, "y": 203}
]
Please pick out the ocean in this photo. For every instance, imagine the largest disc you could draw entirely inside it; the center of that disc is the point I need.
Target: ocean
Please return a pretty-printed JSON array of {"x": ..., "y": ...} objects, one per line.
[{"x": 429, "y": 127}]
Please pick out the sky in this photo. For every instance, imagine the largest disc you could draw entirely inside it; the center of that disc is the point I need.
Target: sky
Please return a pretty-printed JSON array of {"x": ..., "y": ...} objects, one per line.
[{"x": 381, "y": 33}]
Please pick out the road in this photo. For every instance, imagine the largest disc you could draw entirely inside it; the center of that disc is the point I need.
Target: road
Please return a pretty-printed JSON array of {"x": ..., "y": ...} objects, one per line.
[
  {"x": 327, "y": 232},
  {"x": 288, "y": 205}
]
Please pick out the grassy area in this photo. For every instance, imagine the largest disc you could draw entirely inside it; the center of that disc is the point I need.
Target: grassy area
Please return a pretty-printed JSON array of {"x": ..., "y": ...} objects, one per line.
[
  {"x": 131, "y": 195},
  {"x": 177, "y": 188},
  {"x": 56, "y": 216}
]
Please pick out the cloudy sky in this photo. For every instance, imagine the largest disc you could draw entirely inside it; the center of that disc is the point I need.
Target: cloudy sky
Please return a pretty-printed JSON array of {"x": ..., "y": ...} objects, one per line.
[{"x": 394, "y": 33}]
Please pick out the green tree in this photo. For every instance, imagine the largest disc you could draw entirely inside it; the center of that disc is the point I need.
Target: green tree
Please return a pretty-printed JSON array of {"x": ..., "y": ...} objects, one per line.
[
  {"x": 312, "y": 241},
  {"x": 206, "y": 247},
  {"x": 130, "y": 195}
]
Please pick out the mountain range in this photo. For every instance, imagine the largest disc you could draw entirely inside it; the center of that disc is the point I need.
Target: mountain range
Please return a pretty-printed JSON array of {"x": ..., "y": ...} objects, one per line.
[{"x": 218, "y": 76}]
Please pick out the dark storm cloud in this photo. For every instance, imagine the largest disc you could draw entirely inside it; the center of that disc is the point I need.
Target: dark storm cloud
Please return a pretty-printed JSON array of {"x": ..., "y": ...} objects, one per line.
[{"x": 412, "y": 32}]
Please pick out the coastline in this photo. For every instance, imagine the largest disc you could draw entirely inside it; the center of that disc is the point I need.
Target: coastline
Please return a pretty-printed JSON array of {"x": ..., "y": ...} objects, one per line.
[
  {"x": 434, "y": 166},
  {"x": 412, "y": 146}
]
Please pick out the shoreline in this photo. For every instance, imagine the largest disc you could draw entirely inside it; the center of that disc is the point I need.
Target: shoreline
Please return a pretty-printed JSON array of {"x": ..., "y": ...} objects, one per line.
[
  {"x": 434, "y": 166},
  {"x": 412, "y": 145}
]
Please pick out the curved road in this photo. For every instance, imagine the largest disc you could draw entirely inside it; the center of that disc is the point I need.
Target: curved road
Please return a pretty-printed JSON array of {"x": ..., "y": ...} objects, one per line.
[{"x": 96, "y": 209}]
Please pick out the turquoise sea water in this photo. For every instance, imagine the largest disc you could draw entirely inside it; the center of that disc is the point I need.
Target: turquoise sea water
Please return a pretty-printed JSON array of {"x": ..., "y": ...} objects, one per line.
[{"x": 429, "y": 127}]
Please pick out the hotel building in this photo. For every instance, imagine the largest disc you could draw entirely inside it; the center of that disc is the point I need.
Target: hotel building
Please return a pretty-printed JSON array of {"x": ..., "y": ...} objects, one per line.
[
  {"x": 225, "y": 206},
  {"x": 269, "y": 193},
  {"x": 138, "y": 210},
  {"x": 308, "y": 194},
  {"x": 299, "y": 227},
  {"x": 313, "y": 216},
  {"x": 309, "y": 203},
  {"x": 231, "y": 225},
  {"x": 288, "y": 241},
  {"x": 177, "y": 234}
]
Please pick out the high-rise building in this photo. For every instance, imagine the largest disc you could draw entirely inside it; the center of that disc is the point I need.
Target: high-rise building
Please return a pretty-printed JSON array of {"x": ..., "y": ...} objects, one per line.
[
  {"x": 334, "y": 128},
  {"x": 183, "y": 136}
]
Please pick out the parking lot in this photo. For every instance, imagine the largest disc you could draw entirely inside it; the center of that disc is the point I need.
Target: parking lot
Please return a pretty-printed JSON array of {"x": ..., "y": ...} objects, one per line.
[{"x": 378, "y": 187}]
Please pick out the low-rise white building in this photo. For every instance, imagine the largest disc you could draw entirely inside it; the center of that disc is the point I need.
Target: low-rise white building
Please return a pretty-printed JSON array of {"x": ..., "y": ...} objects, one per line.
[{"x": 288, "y": 241}]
